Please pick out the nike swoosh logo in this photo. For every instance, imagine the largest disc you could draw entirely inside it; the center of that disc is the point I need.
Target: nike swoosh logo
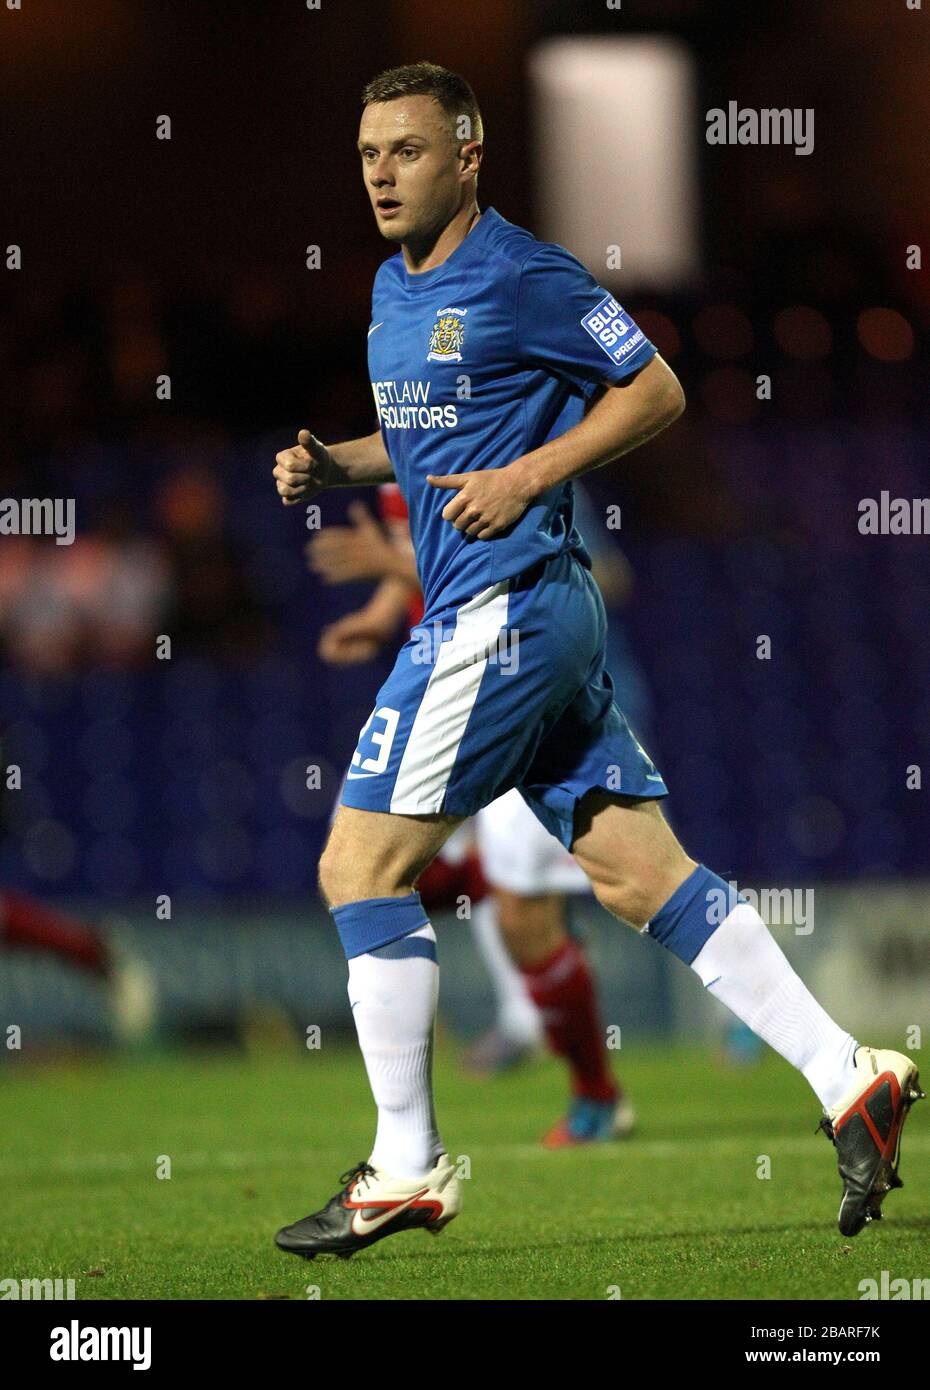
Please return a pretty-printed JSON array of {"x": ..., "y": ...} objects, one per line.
[
  {"x": 361, "y": 1227},
  {"x": 353, "y": 776},
  {"x": 374, "y": 326}
]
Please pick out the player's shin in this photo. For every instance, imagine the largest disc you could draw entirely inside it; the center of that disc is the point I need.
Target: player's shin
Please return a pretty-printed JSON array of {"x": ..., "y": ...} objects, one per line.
[
  {"x": 393, "y": 991},
  {"x": 562, "y": 988},
  {"x": 517, "y": 1018},
  {"x": 730, "y": 948}
]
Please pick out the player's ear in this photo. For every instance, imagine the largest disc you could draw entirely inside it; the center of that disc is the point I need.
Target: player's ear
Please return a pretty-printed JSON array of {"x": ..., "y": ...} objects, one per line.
[{"x": 470, "y": 154}]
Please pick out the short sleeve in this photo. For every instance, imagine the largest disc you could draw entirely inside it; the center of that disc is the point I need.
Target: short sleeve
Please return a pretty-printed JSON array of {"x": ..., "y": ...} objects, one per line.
[{"x": 568, "y": 324}]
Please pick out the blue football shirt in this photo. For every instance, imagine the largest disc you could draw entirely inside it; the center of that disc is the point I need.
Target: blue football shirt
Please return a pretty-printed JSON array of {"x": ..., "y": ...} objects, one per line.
[{"x": 477, "y": 362}]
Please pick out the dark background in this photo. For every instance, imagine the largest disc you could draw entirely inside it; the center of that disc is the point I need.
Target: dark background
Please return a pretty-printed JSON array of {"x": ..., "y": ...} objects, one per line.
[{"x": 186, "y": 257}]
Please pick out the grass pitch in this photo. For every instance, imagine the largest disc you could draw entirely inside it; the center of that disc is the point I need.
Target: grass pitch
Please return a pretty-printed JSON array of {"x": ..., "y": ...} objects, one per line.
[{"x": 677, "y": 1212}]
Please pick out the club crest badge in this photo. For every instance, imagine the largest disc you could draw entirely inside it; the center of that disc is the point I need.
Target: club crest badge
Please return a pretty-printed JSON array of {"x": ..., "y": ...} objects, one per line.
[{"x": 448, "y": 336}]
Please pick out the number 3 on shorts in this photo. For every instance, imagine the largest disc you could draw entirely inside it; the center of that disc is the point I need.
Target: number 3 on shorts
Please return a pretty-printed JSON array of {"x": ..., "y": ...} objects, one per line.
[{"x": 382, "y": 739}]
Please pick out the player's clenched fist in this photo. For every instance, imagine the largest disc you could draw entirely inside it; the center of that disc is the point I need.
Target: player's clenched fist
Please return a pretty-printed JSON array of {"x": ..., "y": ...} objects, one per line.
[{"x": 300, "y": 473}]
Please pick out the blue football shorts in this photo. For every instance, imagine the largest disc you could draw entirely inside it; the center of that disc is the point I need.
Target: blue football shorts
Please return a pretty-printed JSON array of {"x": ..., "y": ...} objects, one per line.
[{"x": 506, "y": 690}]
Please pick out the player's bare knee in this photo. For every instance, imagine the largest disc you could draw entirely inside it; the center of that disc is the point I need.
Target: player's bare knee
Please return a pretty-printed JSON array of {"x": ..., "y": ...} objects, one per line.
[
  {"x": 623, "y": 897},
  {"x": 329, "y": 877},
  {"x": 352, "y": 872},
  {"x": 635, "y": 894},
  {"x": 510, "y": 919},
  {"x": 532, "y": 926},
  {"x": 634, "y": 891}
]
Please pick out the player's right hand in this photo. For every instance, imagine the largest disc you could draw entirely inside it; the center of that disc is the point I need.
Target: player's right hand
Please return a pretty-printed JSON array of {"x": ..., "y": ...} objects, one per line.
[
  {"x": 341, "y": 554},
  {"x": 303, "y": 471},
  {"x": 353, "y": 638}
]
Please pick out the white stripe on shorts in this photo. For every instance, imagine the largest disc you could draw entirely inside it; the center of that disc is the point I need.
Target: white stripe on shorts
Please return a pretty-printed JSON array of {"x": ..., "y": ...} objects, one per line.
[{"x": 448, "y": 700}]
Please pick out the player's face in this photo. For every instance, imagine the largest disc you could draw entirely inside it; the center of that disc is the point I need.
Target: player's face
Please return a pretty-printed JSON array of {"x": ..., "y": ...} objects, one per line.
[{"x": 412, "y": 167}]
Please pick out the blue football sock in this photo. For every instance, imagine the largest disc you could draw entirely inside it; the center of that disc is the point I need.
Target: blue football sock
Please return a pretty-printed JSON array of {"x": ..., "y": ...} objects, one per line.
[{"x": 693, "y": 913}]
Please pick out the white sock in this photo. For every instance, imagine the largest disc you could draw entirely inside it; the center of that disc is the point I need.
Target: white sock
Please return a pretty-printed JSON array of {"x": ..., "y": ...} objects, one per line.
[
  {"x": 394, "y": 1005},
  {"x": 744, "y": 968},
  {"x": 517, "y": 1016}
]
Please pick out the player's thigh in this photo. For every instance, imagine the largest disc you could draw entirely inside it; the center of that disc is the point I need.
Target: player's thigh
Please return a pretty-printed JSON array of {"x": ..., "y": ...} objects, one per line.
[
  {"x": 373, "y": 854},
  {"x": 630, "y": 854}
]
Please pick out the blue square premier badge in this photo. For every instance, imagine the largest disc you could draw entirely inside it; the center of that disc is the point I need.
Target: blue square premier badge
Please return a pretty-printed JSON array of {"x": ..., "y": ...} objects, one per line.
[{"x": 610, "y": 326}]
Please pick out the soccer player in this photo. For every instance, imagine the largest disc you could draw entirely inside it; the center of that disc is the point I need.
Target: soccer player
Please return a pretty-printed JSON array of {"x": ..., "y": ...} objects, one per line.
[
  {"x": 484, "y": 347},
  {"x": 34, "y": 927},
  {"x": 517, "y": 878}
]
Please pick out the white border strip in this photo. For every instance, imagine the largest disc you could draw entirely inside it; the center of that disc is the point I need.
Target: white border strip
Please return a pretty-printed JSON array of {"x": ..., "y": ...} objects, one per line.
[{"x": 448, "y": 700}]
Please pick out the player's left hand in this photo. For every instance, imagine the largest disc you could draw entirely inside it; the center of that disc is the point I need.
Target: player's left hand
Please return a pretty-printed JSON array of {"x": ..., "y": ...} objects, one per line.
[{"x": 485, "y": 502}]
